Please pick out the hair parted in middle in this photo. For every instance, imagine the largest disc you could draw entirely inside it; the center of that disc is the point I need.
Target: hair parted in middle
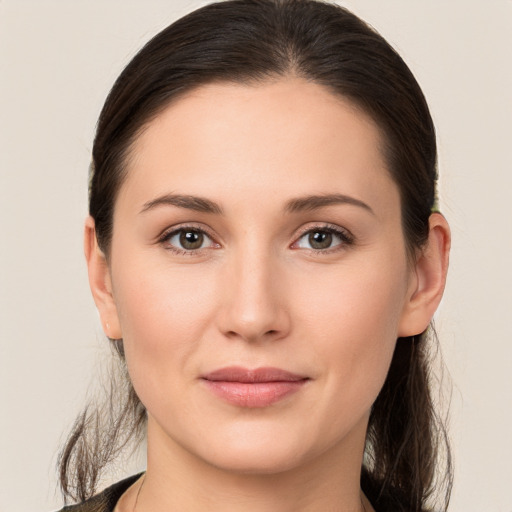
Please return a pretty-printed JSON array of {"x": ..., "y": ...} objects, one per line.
[{"x": 251, "y": 42}]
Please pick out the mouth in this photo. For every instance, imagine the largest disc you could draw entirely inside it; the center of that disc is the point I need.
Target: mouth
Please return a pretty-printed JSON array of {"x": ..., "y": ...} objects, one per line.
[{"x": 258, "y": 387}]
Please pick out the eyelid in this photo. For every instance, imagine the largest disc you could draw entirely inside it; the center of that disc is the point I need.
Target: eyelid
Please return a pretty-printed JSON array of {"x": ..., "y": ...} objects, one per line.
[
  {"x": 164, "y": 236},
  {"x": 344, "y": 234}
]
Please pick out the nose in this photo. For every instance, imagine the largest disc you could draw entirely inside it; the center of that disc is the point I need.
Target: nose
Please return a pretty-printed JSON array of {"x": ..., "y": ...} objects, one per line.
[{"x": 254, "y": 308}]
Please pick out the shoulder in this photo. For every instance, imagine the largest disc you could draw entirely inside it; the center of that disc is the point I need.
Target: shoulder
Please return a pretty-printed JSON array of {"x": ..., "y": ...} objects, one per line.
[{"x": 106, "y": 500}]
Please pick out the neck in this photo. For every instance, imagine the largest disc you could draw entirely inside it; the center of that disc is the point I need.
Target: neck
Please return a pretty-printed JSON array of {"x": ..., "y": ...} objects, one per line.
[{"x": 179, "y": 480}]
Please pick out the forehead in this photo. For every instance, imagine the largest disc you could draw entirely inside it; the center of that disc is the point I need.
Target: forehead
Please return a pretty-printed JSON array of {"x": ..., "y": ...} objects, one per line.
[{"x": 288, "y": 136}]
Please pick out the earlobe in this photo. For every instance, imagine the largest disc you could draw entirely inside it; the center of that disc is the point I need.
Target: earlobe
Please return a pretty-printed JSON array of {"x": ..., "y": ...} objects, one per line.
[
  {"x": 427, "y": 285},
  {"x": 100, "y": 282}
]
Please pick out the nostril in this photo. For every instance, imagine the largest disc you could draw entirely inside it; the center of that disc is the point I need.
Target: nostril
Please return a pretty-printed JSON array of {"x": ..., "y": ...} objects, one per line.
[{"x": 270, "y": 334}]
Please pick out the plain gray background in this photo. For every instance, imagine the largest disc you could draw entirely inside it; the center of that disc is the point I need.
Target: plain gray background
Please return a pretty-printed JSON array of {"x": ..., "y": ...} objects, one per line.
[{"x": 58, "y": 60}]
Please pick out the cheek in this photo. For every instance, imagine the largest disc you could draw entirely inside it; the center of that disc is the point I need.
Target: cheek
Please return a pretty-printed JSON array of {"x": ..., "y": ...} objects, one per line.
[
  {"x": 359, "y": 301},
  {"x": 353, "y": 319},
  {"x": 163, "y": 314}
]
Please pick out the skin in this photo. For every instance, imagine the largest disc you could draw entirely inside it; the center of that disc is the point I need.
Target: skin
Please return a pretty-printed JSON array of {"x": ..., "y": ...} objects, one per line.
[{"x": 257, "y": 293}]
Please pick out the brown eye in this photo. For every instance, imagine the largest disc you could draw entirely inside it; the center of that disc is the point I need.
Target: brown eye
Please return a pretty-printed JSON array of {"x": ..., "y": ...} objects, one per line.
[
  {"x": 191, "y": 239},
  {"x": 187, "y": 240},
  {"x": 320, "y": 239}
]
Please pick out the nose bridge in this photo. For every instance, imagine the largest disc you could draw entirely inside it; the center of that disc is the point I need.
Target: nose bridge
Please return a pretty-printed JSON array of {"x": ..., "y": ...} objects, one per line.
[{"x": 254, "y": 308}]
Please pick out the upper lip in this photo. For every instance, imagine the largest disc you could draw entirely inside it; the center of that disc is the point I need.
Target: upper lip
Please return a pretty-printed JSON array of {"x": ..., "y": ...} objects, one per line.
[{"x": 240, "y": 374}]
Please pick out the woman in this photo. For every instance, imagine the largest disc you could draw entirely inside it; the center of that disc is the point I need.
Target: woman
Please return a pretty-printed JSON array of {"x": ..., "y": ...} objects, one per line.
[{"x": 266, "y": 256}]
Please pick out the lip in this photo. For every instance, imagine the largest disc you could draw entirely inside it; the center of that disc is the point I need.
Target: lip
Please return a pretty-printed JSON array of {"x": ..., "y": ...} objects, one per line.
[{"x": 259, "y": 387}]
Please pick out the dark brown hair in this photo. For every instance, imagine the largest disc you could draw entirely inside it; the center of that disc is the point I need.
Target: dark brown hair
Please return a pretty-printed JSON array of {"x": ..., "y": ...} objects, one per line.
[{"x": 251, "y": 41}]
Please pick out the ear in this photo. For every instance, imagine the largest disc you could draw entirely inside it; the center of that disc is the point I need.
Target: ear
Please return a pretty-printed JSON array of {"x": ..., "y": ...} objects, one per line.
[
  {"x": 428, "y": 279},
  {"x": 100, "y": 282}
]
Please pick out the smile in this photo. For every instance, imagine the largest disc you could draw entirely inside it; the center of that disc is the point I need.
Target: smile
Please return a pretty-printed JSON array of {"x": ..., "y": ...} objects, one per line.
[{"x": 253, "y": 388}]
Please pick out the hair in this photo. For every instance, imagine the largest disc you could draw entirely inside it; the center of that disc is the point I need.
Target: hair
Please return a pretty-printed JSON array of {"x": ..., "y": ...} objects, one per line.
[{"x": 251, "y": 42}]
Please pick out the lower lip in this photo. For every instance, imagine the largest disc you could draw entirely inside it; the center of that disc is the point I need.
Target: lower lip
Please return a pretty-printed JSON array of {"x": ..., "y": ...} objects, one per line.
[{"x": 254, "y": 394}]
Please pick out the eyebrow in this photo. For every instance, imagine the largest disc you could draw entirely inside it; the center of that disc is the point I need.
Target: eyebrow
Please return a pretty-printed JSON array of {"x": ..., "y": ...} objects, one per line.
[
  {"x": 314, "y": 202},
  {"x": 198, "y": 204},
  {"x": 300, "y": 204}
]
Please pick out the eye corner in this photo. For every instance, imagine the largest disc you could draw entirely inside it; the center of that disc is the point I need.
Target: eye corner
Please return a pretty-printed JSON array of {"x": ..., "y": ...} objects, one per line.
[
  {"x": 174, "y": 240},
  {"x": 329, "y": 234}
]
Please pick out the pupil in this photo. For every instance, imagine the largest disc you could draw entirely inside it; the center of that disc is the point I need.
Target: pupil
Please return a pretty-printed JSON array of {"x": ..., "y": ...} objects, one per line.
[
  {"x": 320, "y": 239},
  {"x": 191, "y": 240}
]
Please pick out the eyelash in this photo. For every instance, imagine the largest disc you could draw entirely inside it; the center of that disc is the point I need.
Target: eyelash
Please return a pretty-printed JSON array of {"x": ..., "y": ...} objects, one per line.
[
  {"x": 167, "y": 235},
  {"x": 346, "y": 239}
]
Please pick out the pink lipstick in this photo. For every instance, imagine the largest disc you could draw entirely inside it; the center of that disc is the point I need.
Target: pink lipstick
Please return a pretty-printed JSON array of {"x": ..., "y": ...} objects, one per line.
[{"x": 260, "y": 387}]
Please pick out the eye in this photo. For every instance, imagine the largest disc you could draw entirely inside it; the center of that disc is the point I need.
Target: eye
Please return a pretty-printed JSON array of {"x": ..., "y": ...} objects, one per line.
[
  {"x": 187, "y": 240},
  {"x": 322, "y": 239}
]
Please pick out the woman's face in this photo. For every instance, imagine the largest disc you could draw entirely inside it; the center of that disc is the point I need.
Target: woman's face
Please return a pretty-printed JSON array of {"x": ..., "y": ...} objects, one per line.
[{"x": 259, "y": 229}]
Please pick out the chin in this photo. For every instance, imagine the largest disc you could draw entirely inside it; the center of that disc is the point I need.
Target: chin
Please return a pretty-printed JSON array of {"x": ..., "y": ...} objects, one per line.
[
  {"x": 256, "y": 461},
  {"x": 257, "y": 450}
]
